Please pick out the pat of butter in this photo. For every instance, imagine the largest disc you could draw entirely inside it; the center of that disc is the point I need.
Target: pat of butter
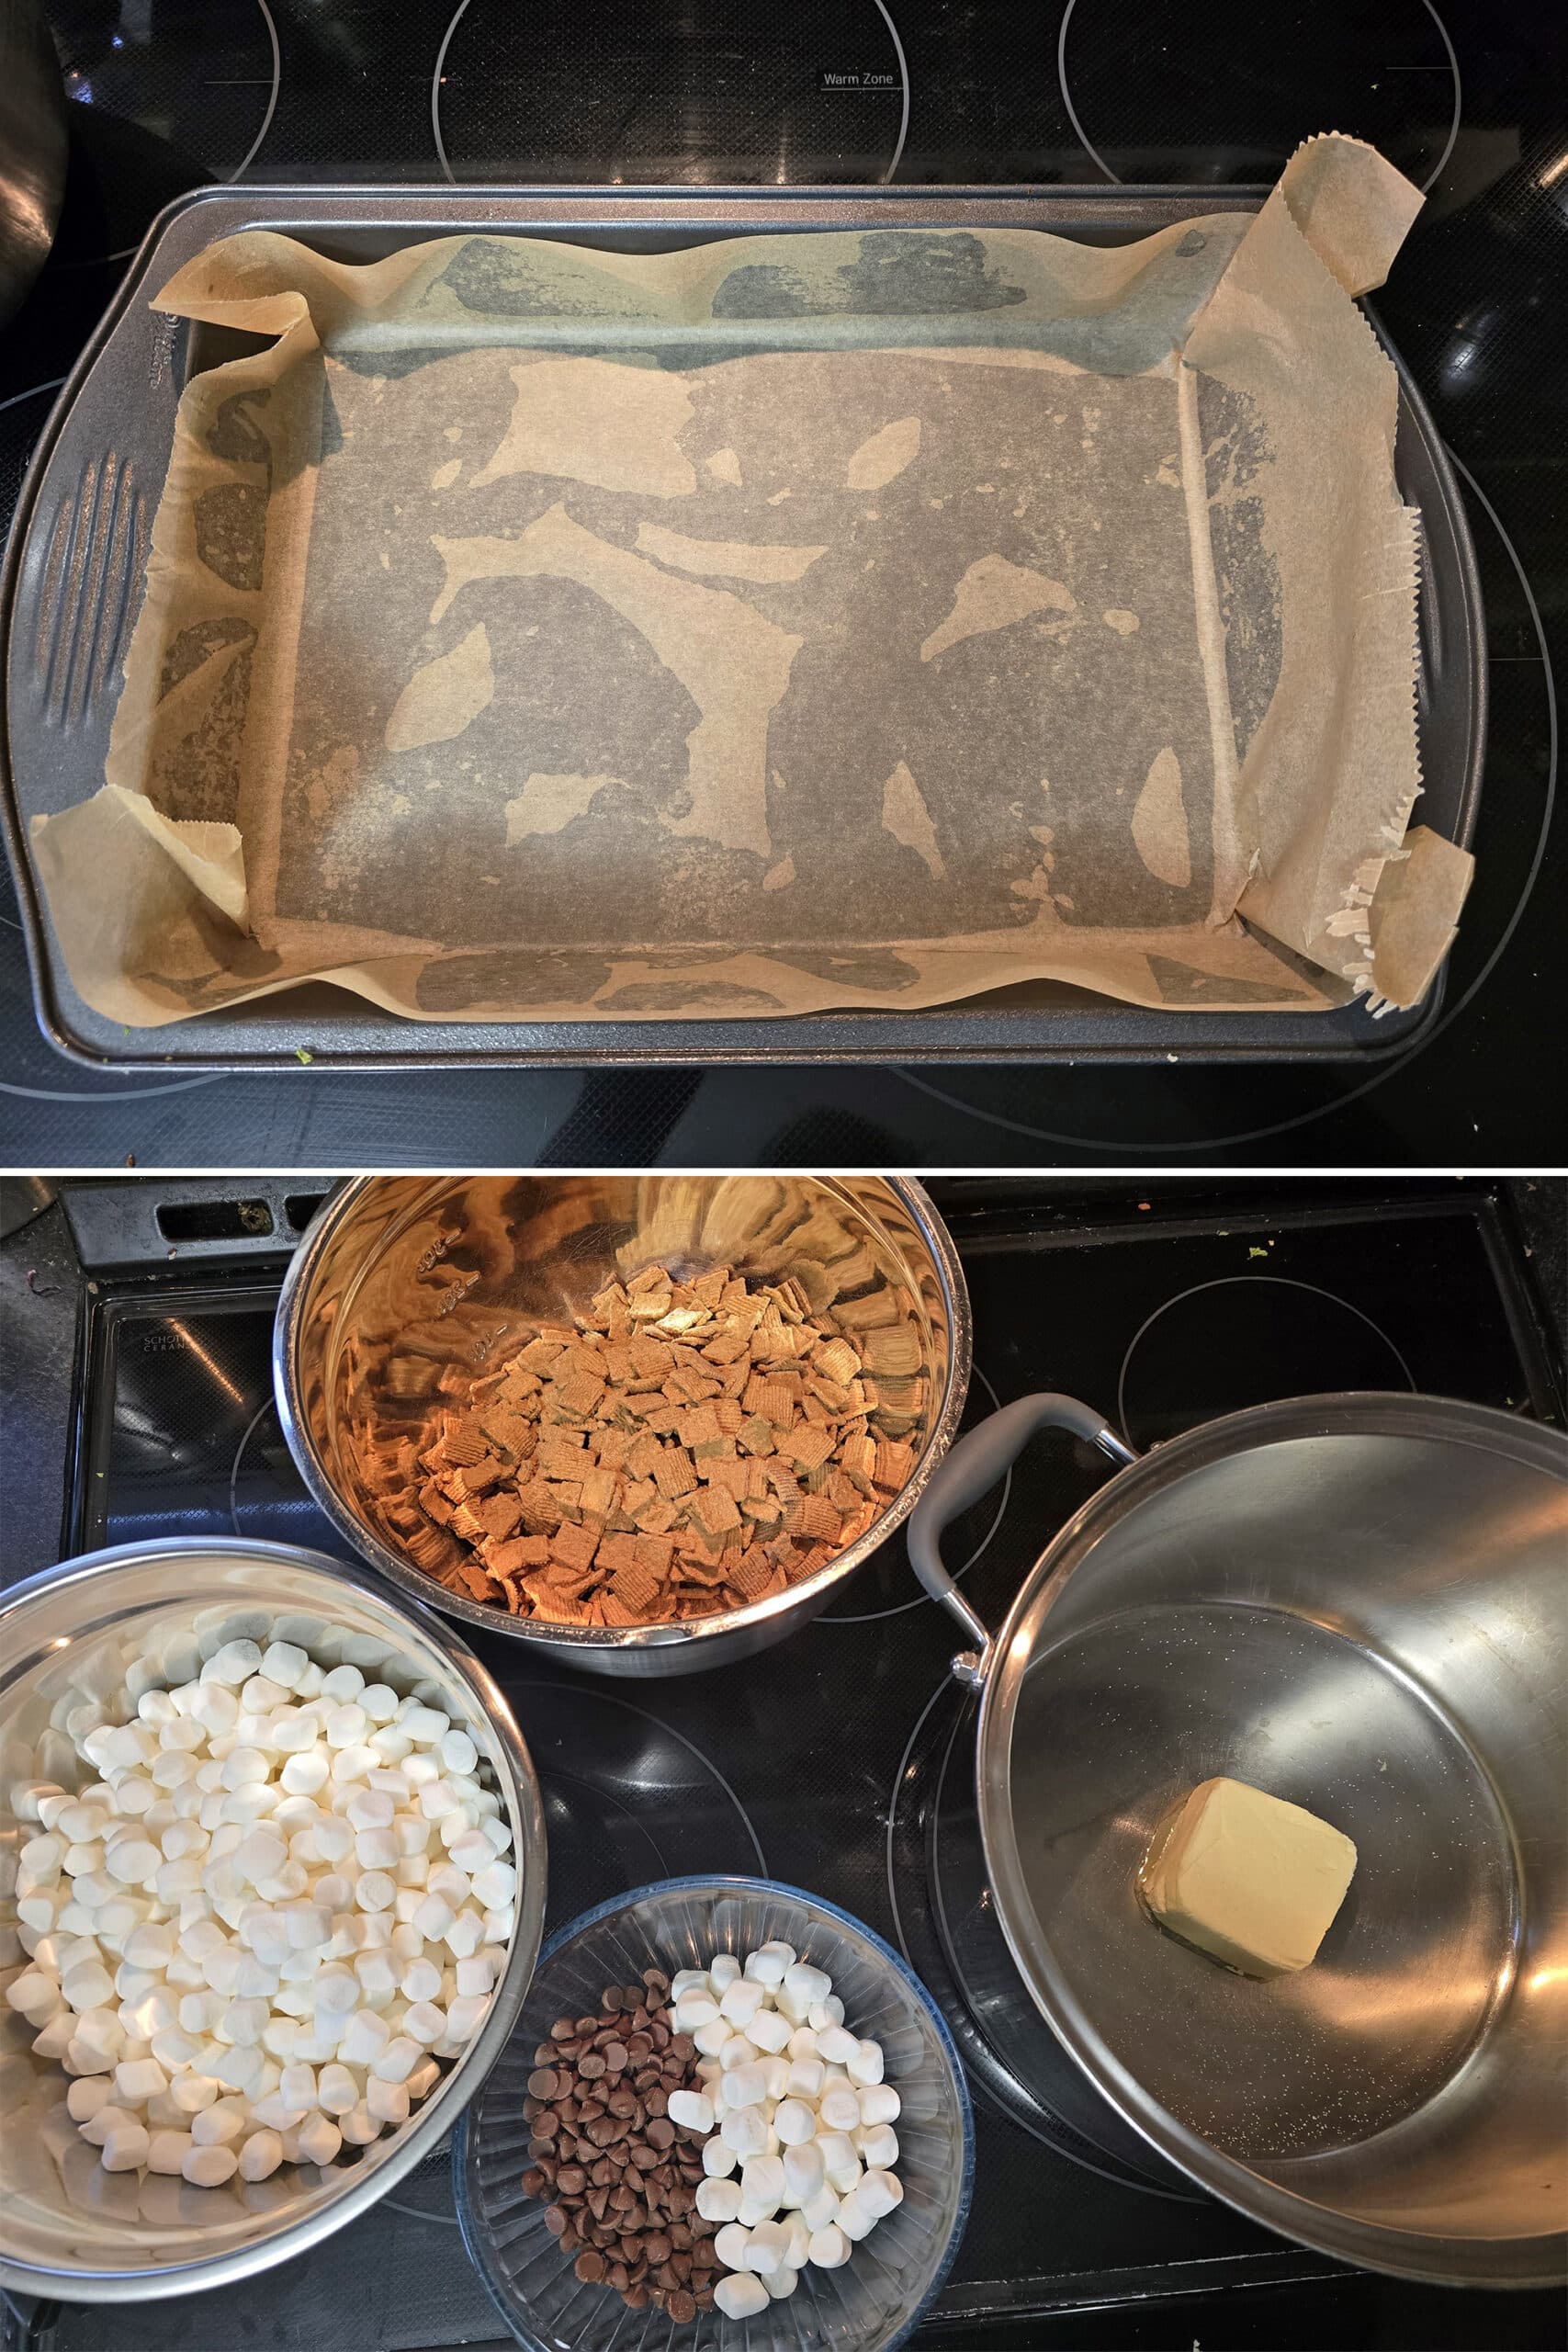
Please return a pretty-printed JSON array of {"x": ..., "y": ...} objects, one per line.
[{"x": 1246, "y": 1878}]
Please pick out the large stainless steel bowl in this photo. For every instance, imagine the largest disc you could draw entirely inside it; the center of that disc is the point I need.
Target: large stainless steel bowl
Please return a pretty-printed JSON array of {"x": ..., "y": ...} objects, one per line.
[
  {"x": 105, "y": 1628},
  {"x": 1360, "y": 1604},
  {"x": 403, "y": 1278}
]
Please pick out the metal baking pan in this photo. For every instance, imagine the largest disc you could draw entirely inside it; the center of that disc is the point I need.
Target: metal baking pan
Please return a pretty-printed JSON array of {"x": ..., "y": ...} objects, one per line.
[{"x": 95, "y": 482}]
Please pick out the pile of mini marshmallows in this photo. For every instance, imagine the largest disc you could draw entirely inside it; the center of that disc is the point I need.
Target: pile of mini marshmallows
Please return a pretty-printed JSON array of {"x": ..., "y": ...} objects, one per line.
[
  {"x": 283, "y": 1900},
  {"x": 803, "y": 2116}
]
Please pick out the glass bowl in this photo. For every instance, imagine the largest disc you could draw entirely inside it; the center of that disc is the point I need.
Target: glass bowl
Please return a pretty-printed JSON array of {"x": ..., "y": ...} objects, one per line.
[{"x": 874, "y": 2301}]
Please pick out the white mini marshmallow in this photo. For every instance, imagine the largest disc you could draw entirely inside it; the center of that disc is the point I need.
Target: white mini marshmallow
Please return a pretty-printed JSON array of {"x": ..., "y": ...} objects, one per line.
[
  {"x": 732, "y": 2245},
  {"x": 838, "y": 2108},
  {"x": 768, "y": 2246},
  {"x": 794, "y": 2123},
  {"x": 738, "y": 2295},
  {"x": 879, "y": 2103},
  {"x": 878, "y": 2147},
  {"x": 691, "y": 2108},
  {"x": 745, "y": 2087},
  {"x": 866, "y": 2067},
  {"x": 761, "y": 2189},
  {"x": 830, "y": 2248},
  {"x": 260, "y": 2155},
  {"x": 718, "y": 2200}
]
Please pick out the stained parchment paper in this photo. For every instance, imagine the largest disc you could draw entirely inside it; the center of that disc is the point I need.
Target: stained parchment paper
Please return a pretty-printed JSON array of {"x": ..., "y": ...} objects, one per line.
[{"x": 793, "y": 621}]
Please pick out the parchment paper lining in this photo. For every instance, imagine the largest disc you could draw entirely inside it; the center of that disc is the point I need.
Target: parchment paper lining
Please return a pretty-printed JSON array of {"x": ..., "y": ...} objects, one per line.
[{"x": 789, "y": 622}]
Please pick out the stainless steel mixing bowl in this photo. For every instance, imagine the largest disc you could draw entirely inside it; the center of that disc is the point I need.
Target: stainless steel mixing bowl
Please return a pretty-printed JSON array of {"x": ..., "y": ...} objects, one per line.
[
  {"x": 105, "y": 1628},
  {"x": 1359, "y": 1603},
  {"x": 402, "y": 1278}
]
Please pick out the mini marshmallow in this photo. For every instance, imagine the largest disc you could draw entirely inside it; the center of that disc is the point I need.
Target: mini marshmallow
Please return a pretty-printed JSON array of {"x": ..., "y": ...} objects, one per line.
[
  {"x": 878, "y": 2147},
  {"x": 803, "y": 2172},
  {"x": 741, "y": 2002},
  {"x": 745, "y": 2085},
  {"x": 718, "y": 2200},
  {"x": 838, "y": 2108},
  {"x": 854, "y": 2219},
  {"x": 837, "y": 2046},
  {"x": 806, "y": 1984},
  {"x": 762, "y": 2188},
  {"x": 746, "y": 2130},
  {"x": 794, "y": 2123},
  {"x": 733, "y": 2245},
  {"x": 879, "y": 2103},
  {"x": 806, "y": 2078},
  {"x": 839, "y": 2161},
  {"x": 767, "y": 1965},
  {"x": 691, "y": 2108},
  {"x": 388, "y": 2102},
  {"x": 719, "y": 2158},
  {"x": 818, "y": 2211},
  {"x": 738, "y": 2295},
  {"x": 168, "y": 2150},
  {"x": 320, "y": 2140},
  {"x": 770, "y": 2243},
  {"x": 879, "y": 2192},
  {"x": 866, "y": 2067},
  {"x": 260, "y": 2155},
  {"x": 125, "y": 2145},
  {"x": 830, "y": 2248}
]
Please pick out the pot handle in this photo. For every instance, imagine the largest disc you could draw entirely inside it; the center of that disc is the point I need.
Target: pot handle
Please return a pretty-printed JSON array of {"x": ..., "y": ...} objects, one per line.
[{"x": 971, "y": 1469}]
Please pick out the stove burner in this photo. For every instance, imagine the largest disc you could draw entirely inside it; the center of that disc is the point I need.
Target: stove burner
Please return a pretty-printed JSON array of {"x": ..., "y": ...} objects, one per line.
[
  {"x": 1226, "y": 93},
  {"x": 715, "y": 94},
  {"x": 276, "y": 1506},
  {"x": 200, "y": 76},
  {"x": 885, "y": 1573},
  {"x": 948, "y": 1931},
  {"x": 628, "y": 1800},
  {"x": 1254, "y": 1339}
]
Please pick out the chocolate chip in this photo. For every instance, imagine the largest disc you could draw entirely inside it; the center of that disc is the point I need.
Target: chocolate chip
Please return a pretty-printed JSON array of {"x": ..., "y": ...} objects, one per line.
[{"x": 603, "y": 2150}]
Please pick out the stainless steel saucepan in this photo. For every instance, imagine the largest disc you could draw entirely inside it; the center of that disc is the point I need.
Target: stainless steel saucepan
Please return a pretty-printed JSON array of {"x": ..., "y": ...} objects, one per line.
[
  {"x": 406, "y": 1286},
  {"x": 1360, "y": 1604}
]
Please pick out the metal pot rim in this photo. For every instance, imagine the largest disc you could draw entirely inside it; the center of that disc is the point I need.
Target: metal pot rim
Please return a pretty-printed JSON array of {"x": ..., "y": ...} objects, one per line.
[
  {"x": 566, "y": 1639},
  {"x": 363, "y": 2186},
  {"x": 1011, "y": 1652}
]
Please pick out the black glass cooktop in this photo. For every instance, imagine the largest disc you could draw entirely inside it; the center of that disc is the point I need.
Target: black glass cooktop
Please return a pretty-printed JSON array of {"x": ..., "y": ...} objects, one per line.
[
  {"x": 842, "y": 1760},
  {"x": 1467, "y": 99}
]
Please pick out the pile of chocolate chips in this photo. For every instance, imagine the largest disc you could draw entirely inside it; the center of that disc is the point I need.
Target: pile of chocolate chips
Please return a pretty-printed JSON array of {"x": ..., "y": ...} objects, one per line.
[{"x": 620, "y": 2177}]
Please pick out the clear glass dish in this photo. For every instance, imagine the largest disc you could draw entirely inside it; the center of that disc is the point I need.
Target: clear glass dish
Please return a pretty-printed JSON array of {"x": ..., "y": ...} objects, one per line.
[{"x": 879, "y": 2296}]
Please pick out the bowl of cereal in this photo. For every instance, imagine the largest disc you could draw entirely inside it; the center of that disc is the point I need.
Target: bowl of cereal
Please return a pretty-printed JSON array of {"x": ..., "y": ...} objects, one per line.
[
  {"x": 652, "y": 1423},
  {"x": 792, "y": 2117},
  {"x": 275, "y": 1885}
]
